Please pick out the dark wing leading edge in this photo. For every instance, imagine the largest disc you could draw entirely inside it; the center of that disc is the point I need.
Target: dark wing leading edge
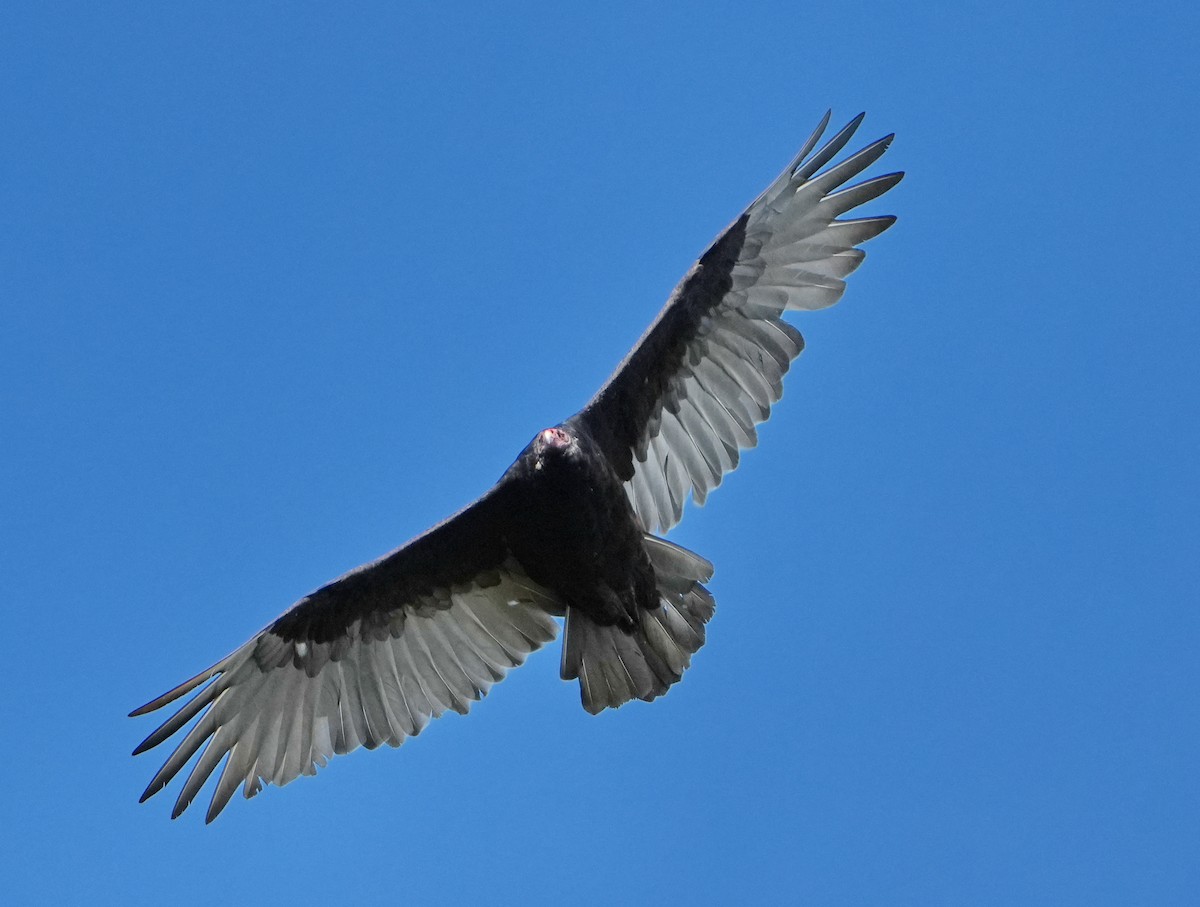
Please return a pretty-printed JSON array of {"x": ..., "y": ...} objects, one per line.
[
  {"x": 365, "y": 660},
  {"x": 674, "y": 415}
]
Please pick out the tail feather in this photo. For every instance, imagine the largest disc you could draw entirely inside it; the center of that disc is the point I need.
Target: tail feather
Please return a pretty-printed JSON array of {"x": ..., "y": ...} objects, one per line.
[{"x": 614, "y": 665}]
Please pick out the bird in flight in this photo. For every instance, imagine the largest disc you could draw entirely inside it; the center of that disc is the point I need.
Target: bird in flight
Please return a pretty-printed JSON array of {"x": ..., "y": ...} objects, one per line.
[{"x": 568, "y": 531}]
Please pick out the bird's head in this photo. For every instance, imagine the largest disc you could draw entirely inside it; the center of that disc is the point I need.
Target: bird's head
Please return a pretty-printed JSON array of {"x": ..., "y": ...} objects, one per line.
[
  {"x": 552, "y": 443},
  {"x": 554, "y": 438}
]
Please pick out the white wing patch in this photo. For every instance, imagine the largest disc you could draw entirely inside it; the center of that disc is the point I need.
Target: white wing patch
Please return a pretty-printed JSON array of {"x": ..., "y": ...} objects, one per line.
[
  {"x": 282, "y": 709},
  {"x": 795, "y": 257}
]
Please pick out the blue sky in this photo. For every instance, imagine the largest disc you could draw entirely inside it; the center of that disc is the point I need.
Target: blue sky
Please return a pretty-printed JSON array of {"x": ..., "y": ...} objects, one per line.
[{"x": 280, "y": 287}]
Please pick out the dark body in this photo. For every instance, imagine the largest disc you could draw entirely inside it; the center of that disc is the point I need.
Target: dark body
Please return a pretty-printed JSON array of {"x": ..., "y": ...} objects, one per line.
[{"x": 572, "y": 529}]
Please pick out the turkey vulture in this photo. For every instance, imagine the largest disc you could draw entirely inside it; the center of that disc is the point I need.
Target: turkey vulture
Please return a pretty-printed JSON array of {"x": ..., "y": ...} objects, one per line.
[{"x": 566, "y": 531}]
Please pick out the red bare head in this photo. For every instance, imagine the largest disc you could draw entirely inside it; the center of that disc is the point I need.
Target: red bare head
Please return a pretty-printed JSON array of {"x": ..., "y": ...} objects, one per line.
[{"x": 555, "y": 437}]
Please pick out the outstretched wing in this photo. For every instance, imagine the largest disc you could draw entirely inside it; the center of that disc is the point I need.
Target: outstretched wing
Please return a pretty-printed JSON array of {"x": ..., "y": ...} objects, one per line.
[
  {"x": 365, "y": 660},
  {"x": 676, "y": 412}
]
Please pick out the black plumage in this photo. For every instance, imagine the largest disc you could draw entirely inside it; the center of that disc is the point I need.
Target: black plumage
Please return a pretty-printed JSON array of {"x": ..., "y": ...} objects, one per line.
[{"x": 566, "y": 531}]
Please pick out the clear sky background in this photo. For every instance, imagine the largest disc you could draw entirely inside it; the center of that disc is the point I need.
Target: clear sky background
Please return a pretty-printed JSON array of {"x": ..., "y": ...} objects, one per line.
[{"x": 283, "y": 284}]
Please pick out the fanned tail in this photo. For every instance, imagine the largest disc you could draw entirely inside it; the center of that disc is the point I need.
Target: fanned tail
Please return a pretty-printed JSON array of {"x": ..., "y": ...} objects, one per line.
[{"x": 613, "y": 665}]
